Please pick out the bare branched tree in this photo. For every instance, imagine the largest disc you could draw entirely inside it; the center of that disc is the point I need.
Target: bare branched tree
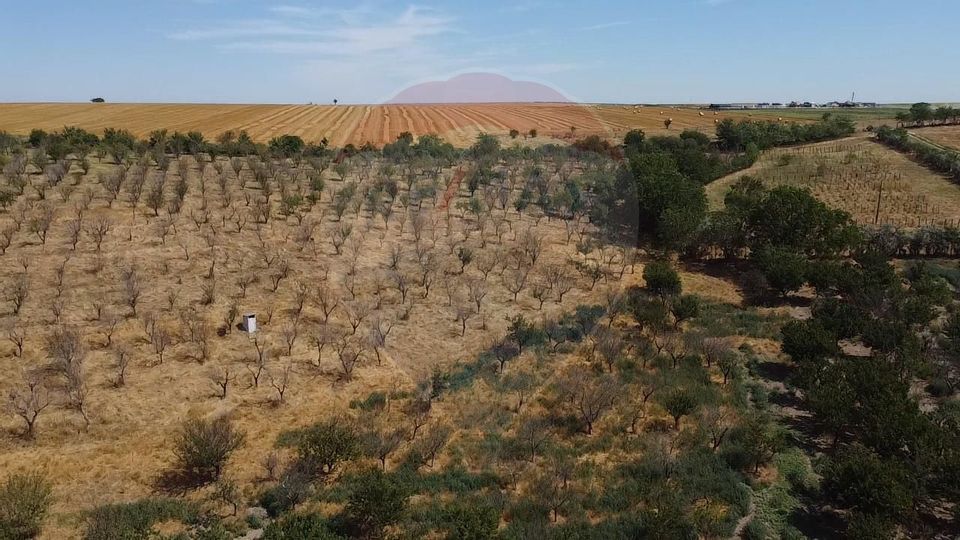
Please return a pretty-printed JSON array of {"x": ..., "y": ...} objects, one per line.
[
  {"x": 222, "y": 377},
  {"x": 18, "y": 292},
  {"x": 28, "y": 401},
  {"x": 98, "y": 229},
  {"x": 280, "y": 381},
  {"x": 16, "y": 336},
  {"x": 121, "y": 361},
  {"x": 349, "y": 351}
]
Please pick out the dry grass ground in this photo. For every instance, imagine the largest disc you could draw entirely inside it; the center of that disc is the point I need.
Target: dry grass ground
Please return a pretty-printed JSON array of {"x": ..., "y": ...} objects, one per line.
[
  {"x": 948, "y": 136},
  {"x": 847, "y": 174},
  {"x": 358, "y": 124},
  {"x": 128, "y": 441}
]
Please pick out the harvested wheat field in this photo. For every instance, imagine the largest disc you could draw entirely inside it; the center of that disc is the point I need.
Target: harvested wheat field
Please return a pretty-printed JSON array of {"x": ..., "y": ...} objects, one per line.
[
  {"x": 848, "y": 174},
  {"x": 358, "y": 124},
  {"x": 948, "y": 136}
]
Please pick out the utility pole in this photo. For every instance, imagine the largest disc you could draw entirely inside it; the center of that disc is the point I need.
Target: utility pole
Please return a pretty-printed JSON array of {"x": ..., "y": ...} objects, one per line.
[{"x": 876, "y": 216}]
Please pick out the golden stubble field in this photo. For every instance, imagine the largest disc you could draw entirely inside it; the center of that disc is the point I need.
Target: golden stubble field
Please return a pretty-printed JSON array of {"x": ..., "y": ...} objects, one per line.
[
  {"x": 848, "y": 174},
  {"x": 948, "y": 136},
  {"x": 187, "y": 270},
  {"x": 358, "y": 124}
]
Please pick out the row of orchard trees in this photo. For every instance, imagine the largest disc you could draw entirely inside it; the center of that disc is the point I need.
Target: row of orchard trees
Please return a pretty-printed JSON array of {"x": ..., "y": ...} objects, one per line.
[{"x": 243, "y": 195}]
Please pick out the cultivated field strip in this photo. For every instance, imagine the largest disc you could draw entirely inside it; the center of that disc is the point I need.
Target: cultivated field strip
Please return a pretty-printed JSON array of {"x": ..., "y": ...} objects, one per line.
[{"x": 358, "y": 124}]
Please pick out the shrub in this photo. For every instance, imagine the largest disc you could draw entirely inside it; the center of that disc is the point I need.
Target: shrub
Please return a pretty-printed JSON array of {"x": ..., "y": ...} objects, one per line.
[
  {"x": 684, "y": 308},
  {"x": 376, "y": 499},
  {"x": 203, "y": 448},
  {"x": 940, "y": 387},
  {"x": 376, "y": 401},
  {"x": 24, "y": 500},
  {"x": 471, "y": 520},
  {"x": 322, "y": 446},
  {"x": 133, "y": 521},
  {"x": 868, "y": 527},
  {"x": 794, "y": 466},
  {"x": 293, "y": 488},
  {"x": 299, "y": 527}
]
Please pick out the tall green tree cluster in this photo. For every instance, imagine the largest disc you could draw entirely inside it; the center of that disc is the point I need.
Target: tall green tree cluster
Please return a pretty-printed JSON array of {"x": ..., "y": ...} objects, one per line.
[
  {"x": 858, "y": 359},
  {"x": 740, "y": 135},
  {"x": 781, "y": 229}
]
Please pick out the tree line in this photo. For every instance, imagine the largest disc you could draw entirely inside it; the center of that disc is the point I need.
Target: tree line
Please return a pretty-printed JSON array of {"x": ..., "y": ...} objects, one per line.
[{"x": 922, "y": 113}]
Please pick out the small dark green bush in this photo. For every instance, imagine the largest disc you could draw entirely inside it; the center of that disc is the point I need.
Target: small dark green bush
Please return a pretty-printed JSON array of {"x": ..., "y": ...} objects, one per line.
[
  {"x": 293, "y": 488},
  {"x": 374, "y": 402},
  {"x": 24, "y": 500},
  {"x": 299, "y": 527},
  {"x": 376, "y": 499},
  {"x": 133, "y": 521}
]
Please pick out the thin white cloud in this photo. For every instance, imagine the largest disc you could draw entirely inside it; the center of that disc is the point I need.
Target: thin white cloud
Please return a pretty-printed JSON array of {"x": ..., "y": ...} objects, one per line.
[
  {"x": 363, "y": 55},
  {"x": 605, "y": 25},
  {"x": 292, "y": 11},
  {"x": 243, "y": 29},
  {"x": 311, "y": 36}
]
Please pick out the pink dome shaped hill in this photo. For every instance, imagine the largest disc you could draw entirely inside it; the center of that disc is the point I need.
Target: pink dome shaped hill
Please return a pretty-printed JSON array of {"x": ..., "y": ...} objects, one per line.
[{"x": 478, "y": 88}]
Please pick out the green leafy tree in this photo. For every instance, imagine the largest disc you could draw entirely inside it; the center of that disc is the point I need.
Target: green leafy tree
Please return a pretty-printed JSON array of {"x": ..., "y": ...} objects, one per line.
[
  {"x": 684, "y": 308},
  {"x": 679, "y": 403},
  {"x": 286, "y": 145},
  {"x": 921, "y": 112},
  {"x": 783, "y": 268},
  {"x": 860, "y": 479},
  {"x": 670, "y": 207},
  {"x": 323, "y": 446},
  {"x": 661, "y": 279},
  {"x": 524, "y": 333}
]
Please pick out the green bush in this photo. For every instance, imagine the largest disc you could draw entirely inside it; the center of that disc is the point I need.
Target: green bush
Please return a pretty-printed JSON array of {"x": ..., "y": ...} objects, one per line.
[
  {"x": 795, "y": 467},
  {"x": 471, "y": 520},
  {"x": 133, "y": 521},
  {"x": 375, "y": 500},
  {"x": 376, "y": 401},
  {"x": 24, "y": 501},
  {"x": 299, "y": 527},
  {"x": 293, "y": 488}
]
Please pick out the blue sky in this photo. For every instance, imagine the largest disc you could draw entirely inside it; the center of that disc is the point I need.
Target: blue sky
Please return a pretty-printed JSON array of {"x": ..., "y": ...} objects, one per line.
[{"x": 673, "y": 51}]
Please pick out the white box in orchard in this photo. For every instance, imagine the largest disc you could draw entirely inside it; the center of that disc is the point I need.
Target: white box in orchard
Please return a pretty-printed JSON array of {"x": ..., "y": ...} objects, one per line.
[{"x": 250, "y": 323}]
